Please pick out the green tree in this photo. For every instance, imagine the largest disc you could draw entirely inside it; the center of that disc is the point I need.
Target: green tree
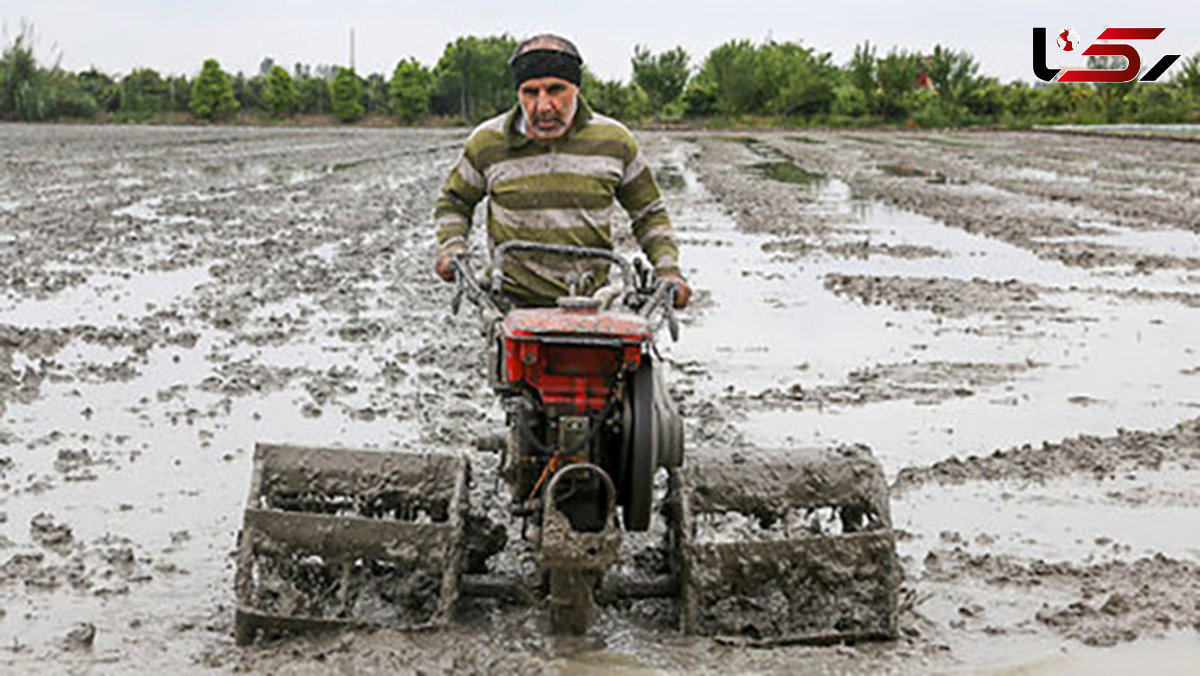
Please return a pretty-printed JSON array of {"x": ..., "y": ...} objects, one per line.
[
  {"x": 803, "y": 80},
  {"x": 345, "y": 95},
  {"x": 613, "y": 98},
  {"x": 312, "y": 93},
  {"x": 1157, "y": 103},
  {"x": 955, "y": 78},
  {"x": 897, "y": 77},
  {"x": 861, "y": 69},
  {"x": 212, "y": 93},
  {"x": 143, "y": 94},
  {"x": 67, "y": 97},
  {"x": 376, "y": 96},
  {"x": 1058, "y": 103},
  {"x": 472, "y": 78},
  {"x": 1187, "y": 76},
  {"x": 700, "y": 96},
  {"x": 248, "y": 91},
  {"x": 1018, "y": 103},
  {"x": 411, "y": 89},
  {"x": 986, "y": 101},
  {"x": 23, "y": 91},
  {"x": 1111, "y": 96},
  {"x": 779, "y": 78},
  {"x": 179, "y": 94},
  {"x": 102, "y": 88},
  {"x": 662, "y": 77},
  {"x": 730, "y": 70},
  {"x": 29, "y": 92},
  {"x": 279, "y": 92}
]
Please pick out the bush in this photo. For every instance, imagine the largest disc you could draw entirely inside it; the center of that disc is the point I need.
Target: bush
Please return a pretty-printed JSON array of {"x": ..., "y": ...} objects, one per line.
[
  {"x": 928, "y": 109},
  {"x": 849, "y": 101}
]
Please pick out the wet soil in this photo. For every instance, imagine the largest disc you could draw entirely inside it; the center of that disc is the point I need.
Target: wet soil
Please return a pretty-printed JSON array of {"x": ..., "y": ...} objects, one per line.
[{"x": 1008, "y": 322}]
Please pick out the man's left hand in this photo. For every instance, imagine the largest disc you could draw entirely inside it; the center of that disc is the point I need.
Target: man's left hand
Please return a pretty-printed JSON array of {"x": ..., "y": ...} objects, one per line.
[{"x": 683, "y": 292}]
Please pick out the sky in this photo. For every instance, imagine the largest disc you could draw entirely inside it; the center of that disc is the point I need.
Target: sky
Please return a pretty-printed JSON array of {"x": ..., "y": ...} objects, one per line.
[{"x": 176, "y": 37}]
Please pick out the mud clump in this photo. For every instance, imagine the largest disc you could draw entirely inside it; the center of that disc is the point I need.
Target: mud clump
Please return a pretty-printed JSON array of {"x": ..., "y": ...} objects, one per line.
[
  {"x": 1089, "y": 455},
  {"x": 80, "y": 638},
  {"x": 1117, "y": 601},
  {"x": 861, "y": 250},
  {"x": 54, "y": 536},
  {"x": 950, "y": 297},
  {"x": 922, "y": 382}
]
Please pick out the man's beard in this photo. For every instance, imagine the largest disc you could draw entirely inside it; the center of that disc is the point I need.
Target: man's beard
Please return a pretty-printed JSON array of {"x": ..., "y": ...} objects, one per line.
[
  {"x": 562, "y": 120},
  {"x": 552, "y": 131}
]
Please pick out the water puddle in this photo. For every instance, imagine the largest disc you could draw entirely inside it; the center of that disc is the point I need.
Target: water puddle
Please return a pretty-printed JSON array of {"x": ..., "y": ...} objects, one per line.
[
  {"x": 786, "y": 172},
  {"x": 1175, "y": 243},
  {"x": 175, "y": 489},
  {"x": 931, "y": 176},
  {"x": 1047, "y": 176},
  {"x": 804, "y": 336},
  {"x": 1078, "y": 520},
  {"x": 148, "y": 210},
  {"x": 105, "y": 299},
  {"x": 1177, "y": 656}
]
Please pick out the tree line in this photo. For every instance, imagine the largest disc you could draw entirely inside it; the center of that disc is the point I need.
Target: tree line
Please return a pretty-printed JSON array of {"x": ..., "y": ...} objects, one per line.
[{"x": 739, "y": 81}]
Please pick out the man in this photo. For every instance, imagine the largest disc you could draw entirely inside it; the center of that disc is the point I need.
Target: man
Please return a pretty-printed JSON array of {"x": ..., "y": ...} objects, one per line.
[{"x": 552, "y": 169}]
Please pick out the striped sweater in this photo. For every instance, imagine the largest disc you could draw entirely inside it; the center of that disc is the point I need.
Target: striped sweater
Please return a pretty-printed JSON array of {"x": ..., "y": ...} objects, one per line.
[{"x": 558, "y": 192}]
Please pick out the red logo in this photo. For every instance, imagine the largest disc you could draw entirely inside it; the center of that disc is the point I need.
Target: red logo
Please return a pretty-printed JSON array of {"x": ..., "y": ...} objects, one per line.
[{"x": 1066, "y": 41}]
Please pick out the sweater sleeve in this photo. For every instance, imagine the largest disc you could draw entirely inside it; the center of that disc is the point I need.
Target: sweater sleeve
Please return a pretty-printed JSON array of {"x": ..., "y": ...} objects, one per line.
[
  {"x": 463, "y": 189},
  {"x": 639, "y": 195}
]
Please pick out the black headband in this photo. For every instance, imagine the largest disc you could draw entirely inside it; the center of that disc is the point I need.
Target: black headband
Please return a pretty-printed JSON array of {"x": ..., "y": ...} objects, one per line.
[{"x": 546, "y": 63}]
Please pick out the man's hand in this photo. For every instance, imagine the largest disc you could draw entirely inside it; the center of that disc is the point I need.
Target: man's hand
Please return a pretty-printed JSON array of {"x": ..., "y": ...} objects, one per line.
[
  {"x": 683, "y": 292},
  {"x": 441, "y": 265}
]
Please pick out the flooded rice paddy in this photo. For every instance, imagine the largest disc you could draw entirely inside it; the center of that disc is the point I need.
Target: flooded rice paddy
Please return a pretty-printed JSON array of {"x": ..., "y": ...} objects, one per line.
[{"x": 1007, "y": 319}]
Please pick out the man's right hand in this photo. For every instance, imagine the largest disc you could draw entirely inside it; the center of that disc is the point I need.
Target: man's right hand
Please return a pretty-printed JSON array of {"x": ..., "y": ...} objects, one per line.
[
  {"x": 683, "y": 292},
  {"x": 442, "y": 264}
]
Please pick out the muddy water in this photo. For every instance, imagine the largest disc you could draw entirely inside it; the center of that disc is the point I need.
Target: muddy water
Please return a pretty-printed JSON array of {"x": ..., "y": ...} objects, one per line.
[{"x": 170, "y": 296}]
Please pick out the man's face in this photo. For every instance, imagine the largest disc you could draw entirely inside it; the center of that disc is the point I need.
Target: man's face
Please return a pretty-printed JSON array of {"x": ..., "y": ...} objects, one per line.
[{"x": 549, "y": 104}]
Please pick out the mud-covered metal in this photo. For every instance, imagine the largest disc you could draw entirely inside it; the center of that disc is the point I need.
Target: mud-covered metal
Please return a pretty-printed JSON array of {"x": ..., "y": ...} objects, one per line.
[
  {"x": 576, "y": 559},
  {"x": 558, "y": 321},
  {"x": 794, "y": 547},
  {"x": 335, "y": 537}
]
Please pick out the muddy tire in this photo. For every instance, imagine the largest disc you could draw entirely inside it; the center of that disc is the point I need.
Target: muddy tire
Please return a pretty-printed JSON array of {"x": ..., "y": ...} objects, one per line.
[{"x": 642, "y": 461}]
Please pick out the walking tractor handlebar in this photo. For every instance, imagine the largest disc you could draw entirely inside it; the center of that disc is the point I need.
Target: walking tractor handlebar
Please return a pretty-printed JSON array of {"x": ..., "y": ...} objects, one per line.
[{"x": 641, "y": 291}]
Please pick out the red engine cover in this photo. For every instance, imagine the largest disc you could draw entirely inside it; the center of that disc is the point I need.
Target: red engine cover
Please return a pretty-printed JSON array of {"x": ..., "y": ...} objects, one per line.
[{"x": 570, "y": 356}]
